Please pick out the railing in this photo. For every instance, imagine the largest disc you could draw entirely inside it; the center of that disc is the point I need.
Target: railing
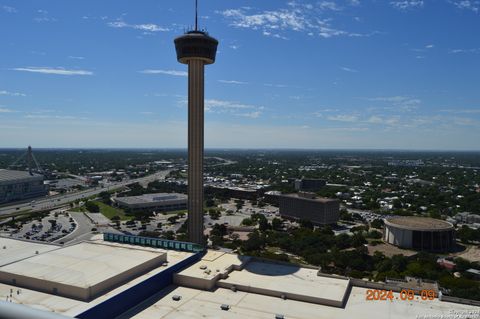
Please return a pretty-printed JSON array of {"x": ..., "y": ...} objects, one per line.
[{"x": 153, "y": 242}]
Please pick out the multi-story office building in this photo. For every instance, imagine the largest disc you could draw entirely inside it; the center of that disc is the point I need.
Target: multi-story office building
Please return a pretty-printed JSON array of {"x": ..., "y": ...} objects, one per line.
[{"x": 320, "y": 211}]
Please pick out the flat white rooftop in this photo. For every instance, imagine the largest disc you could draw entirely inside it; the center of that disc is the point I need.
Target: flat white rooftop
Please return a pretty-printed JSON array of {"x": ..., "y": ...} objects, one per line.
[
  {"x": 74, "y": 307},
  {"x": 213, "y": 263},
  {"x": 81, "y": 271},
  {"x": 243, "y": 305},
  {"x": 295, "y": 283},
  {"x": 12, "y": 250}
]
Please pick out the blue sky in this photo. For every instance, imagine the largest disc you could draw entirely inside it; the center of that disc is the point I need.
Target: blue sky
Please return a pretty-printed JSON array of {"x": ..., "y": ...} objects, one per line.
[{"x": 289, "y": 74}]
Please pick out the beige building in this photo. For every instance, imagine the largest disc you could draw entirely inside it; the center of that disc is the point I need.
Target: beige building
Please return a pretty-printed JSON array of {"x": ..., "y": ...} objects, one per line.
[
  {"x": 153, "y": 202},
  {"x": 83, "y": 271}
]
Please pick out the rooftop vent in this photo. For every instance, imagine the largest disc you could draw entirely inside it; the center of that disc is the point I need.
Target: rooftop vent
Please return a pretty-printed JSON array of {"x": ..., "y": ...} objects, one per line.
[
  {"x": 225, "y": 307},
  {"x": 283, "y": 296},
  {"x": 203, "y": 267},
  {"x": 176, "y": 297},
  {"x": 278, "y": 316}
]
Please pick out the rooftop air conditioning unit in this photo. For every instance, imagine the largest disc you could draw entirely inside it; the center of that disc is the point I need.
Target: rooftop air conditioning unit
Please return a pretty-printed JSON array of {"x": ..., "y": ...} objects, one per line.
[{"x": 225, "y": 307}]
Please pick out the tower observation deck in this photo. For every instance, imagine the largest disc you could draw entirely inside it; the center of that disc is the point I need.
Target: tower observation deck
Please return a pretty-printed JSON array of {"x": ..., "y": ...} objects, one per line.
[{"x": 196, "y": 49}]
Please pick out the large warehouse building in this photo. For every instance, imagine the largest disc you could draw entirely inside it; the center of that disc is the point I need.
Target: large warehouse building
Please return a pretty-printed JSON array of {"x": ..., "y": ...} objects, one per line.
[
  {"x": 19, "y": 185},
  {"x": 420, "y": 233},
  {"x": 159, "y": 202},
  {"x": 320, "y": 211},
  {"x": 83, "y": 271}
]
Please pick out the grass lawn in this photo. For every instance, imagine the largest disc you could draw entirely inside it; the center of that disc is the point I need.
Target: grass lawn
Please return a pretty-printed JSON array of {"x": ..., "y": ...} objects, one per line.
[{"x": 109, "y": 211}]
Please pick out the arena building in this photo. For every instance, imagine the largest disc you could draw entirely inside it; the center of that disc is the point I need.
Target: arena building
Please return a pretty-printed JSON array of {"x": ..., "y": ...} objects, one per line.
[
  {"x": 19, "y": 185},
  {"x": 320, "y": 211},
  {"x": 420, "y": 233},
  {"x": 159, "y": 202}
]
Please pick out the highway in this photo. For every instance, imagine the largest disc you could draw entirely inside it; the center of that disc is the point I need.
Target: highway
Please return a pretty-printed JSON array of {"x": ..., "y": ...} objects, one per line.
[{"x": 52, "y": 202}]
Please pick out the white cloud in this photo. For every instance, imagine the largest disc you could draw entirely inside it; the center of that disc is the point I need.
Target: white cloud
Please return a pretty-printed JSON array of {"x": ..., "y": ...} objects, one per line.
[
  {"x": 252, "y": 115},
  {"x": 468, "y": 5},
  {"x": 475, "y": 50},
  {"x": 461, "y": 111},
  {"x": 328, "y": 5},
  {"x": 343, "y": 118},
  {"x": 3, "y": 92},
  {"x": 298, "y": 17},
  {"x": 348, "y": 69},
  {"x": 402, "y": 103},
  {"x": 9, "y": 9},
  {"x": 57, "y": 71},
  {"x": 275, "y": 85},
  {"x": 167, "y": 72},
  {"x": 148, "y": 27},
  {"x": 6, "y": 110},
  {"x": 56, "y": 117},
  {"x": 214, "y": 104},
  {"x": 429, "y": 46},
  {"x": 76, "y": 57},
  {"x": 465, "y": 121},
  {"x": 375, "y": 119},
  {"x": 407, "y": 4},
  {"x": 44, "y": 17},
  {"x": 232, "y": 82},
  {"x": 321, "y": 112}
]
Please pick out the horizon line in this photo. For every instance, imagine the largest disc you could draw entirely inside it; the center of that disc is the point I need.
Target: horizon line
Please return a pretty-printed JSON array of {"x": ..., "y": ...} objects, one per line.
[{"x": 246, "y": 149}]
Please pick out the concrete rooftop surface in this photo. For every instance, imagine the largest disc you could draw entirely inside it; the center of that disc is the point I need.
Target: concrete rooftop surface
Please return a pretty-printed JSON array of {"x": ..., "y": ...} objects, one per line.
[
  {"x": 243, "y": 305},
  {"x": 83, "y": 265},
  {"x": 12, "y": 250}
]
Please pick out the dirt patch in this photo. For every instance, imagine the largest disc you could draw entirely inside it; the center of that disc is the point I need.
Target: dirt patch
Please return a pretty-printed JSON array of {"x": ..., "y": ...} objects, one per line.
[
  {"x": 472, "y": 253},
  {"x": 390, "y": 250}
]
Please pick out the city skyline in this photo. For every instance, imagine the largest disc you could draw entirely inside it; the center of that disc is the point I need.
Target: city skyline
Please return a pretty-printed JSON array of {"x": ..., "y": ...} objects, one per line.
[{"x": 290, "y": 74}]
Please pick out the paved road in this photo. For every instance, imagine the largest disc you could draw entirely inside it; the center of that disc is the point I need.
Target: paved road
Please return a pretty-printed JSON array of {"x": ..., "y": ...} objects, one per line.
[
  {"x": 60, "y": 200},
  {"x": 83, "y": 229}
]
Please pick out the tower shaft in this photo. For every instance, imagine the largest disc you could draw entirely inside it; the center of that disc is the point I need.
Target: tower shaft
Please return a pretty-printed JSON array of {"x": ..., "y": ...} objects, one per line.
[
  {"x": 195, "y": 48},
  {"x": 195, "y": 149}
]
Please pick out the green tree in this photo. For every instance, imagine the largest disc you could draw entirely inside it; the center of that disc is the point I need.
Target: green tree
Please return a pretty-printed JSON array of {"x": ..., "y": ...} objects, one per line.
[
  {"x": 377, "y": 223},
  {"x": 255, "y": 242},
  {"x": 247, "y": 222},
  {"x": 277, "y": 223},
  {"x": 92, "y": 207},
  {"x": 214, "y": 214}
]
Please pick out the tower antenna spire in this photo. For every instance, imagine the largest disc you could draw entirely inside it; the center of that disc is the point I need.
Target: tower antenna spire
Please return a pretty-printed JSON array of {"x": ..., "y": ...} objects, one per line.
[{"x": 196, "y": 15}]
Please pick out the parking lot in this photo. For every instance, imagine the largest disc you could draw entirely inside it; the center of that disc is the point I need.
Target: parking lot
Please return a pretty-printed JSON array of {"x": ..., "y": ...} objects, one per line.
[{"x": 54, "y": 226}]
